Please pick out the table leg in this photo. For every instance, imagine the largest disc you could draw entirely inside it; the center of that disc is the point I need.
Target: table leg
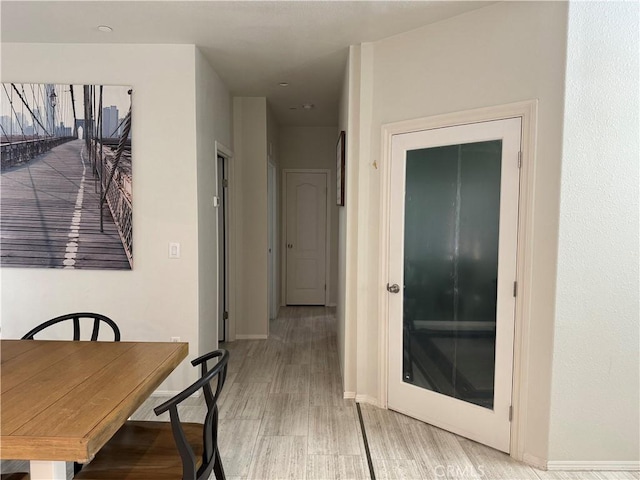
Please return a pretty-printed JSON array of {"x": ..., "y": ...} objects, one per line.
[{"x": 42, "y": 470}]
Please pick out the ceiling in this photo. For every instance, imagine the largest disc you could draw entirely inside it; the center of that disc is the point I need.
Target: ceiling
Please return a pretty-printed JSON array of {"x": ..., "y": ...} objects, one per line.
[{"x": 252, "y": 45}]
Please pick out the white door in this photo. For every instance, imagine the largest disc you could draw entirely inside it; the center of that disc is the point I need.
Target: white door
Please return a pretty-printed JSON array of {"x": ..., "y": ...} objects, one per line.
[
  {"x": 306, "y": 238},
  {"x": 452, "y": 267}
]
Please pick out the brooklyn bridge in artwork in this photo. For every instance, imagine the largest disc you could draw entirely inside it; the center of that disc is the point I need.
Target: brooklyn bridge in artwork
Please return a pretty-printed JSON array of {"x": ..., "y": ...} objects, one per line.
[{"x": 65, "y": 183}]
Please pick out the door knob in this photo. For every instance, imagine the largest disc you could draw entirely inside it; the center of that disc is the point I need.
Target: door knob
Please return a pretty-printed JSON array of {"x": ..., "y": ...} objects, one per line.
[{"x": 393, "y": 288}]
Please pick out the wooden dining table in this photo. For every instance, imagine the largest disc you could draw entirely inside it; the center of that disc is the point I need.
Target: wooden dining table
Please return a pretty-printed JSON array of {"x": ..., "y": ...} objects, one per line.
[{"x": 61, "y": 401}]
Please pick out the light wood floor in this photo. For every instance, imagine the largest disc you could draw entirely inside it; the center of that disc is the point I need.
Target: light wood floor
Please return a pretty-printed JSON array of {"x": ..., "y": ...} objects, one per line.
[{"x": 283, "y": 417}]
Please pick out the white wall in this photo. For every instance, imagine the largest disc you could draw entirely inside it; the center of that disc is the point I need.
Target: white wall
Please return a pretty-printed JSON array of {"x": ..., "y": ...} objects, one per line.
[
  {"x": 213, "y": 123},
  {"x": 349, "y": 121},
  {"x": 273, "y": 155},
  {"x": 308, "y": 148},
  {"x": 158, "y": 299},
  {"x": 249, "y": 194},
  {"x": 596, "y": 370},
  {"x": 343, "y": 125},
  {"x": 503, "y": 53},
  {"x": 273, "y": 137}
]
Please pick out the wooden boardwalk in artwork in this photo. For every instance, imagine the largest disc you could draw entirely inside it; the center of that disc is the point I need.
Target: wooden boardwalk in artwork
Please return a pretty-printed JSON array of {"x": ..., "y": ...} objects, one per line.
[{"x": 50, "y": 214}]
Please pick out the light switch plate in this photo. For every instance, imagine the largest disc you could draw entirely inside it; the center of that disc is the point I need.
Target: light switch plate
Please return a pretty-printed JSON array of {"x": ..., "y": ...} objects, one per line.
[{"x": 174, "y": 250}]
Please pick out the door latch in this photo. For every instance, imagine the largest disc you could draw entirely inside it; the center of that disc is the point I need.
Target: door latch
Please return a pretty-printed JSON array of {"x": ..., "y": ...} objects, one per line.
[{"x": 393, "y": 288}]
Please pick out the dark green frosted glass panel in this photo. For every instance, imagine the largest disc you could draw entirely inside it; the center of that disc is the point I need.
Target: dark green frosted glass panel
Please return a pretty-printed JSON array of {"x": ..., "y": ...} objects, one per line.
[{"x": 452, "y": 207}]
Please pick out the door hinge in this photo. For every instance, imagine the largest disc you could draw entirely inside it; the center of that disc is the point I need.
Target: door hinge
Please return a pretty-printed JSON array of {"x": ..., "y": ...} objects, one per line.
[
  {"x": 325, "y": 287},
  {"x": 510, "y": 412},
  {"x": 225, "y": 182},
  {"x": 519, "y": 159},
  {"x": 225, "y": 316},
  {"x": 515, "y": 289}
]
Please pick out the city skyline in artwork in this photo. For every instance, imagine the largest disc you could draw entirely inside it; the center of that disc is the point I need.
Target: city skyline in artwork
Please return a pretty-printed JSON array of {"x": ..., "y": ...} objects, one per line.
[{"x": 35, "y": 116}]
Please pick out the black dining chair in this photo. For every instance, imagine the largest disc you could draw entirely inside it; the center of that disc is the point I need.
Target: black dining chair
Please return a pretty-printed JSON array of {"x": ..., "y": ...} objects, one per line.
[
  {"x": 175, "y": 450},
  {"x": 76, "y": 318},
  {"x": 97, "y": 318}
]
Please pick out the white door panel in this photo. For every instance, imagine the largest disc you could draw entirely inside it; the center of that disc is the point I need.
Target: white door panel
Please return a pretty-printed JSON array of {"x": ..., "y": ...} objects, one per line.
[
  {"x": 453, "y": 240},
  {"x": 306, "y": 231}
]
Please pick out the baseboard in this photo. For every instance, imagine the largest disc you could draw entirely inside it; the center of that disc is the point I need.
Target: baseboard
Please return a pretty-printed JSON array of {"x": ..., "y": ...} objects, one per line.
[
  {"x": 361, "y": 398},
  {"x": 367, "y": 399},
  {"x": 250, "y": 337},
  {"x": 536, "y": 462},
  {"x": 588, "y": 465}
]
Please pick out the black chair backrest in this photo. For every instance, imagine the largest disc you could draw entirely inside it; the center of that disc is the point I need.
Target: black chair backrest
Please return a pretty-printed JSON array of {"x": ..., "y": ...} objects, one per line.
[
  {"x": 210, "y": 427},
  {"x": 75, "y": 317}
]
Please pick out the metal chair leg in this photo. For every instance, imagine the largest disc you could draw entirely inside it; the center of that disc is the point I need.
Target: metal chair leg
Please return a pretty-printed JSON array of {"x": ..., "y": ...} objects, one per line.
[{"x": 217, "y": 467}]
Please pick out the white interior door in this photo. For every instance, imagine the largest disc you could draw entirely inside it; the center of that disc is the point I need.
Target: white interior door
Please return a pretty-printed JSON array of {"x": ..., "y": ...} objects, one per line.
[
  {"x": 452, "y": 266},
  {"x": 306, "y": 237}
]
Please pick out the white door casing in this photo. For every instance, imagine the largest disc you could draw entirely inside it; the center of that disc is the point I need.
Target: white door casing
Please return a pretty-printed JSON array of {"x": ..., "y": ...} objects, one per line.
[
  {"x": 272, "y": 248},
  {"x": 225, "y": 294},
  {"x": 482, "y": 424},
  {"x": 305, "y": 206},
  {"x": 223, "y": 245}
]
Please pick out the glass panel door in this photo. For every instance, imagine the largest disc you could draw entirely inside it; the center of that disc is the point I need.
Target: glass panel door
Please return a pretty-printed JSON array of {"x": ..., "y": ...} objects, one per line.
[
  {"x": 453, "y": 223},
  {"x": 452, "y": 206}
]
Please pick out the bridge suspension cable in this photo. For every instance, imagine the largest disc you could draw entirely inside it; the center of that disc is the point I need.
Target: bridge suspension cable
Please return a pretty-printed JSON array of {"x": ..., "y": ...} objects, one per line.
[
  {"x": 28, "y": 107},
  {"x": 10, "y": 98},
  {"x": 33, "y": 117},
  {"x": 121, "y": 146},
  {"x": 33, "y": 97},
  {"x": 118, "y": 127},
  {"x": 24, "y": 138},
  {"x": 75, "y": 118}
]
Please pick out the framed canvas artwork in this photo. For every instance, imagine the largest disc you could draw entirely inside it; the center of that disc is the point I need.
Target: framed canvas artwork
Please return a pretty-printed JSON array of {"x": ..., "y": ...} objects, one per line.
[{"x": 66, "y": 177}]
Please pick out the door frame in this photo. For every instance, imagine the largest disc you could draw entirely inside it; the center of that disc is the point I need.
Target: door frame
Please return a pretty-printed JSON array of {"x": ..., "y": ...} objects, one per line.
[
  {"x": 221, "y": 203},
  {"x": 272, "y": 231},
  {"x": 527, "y": 111},
  {"x": 283, "y": 236},
  {"x": 225, "y": 152}
]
